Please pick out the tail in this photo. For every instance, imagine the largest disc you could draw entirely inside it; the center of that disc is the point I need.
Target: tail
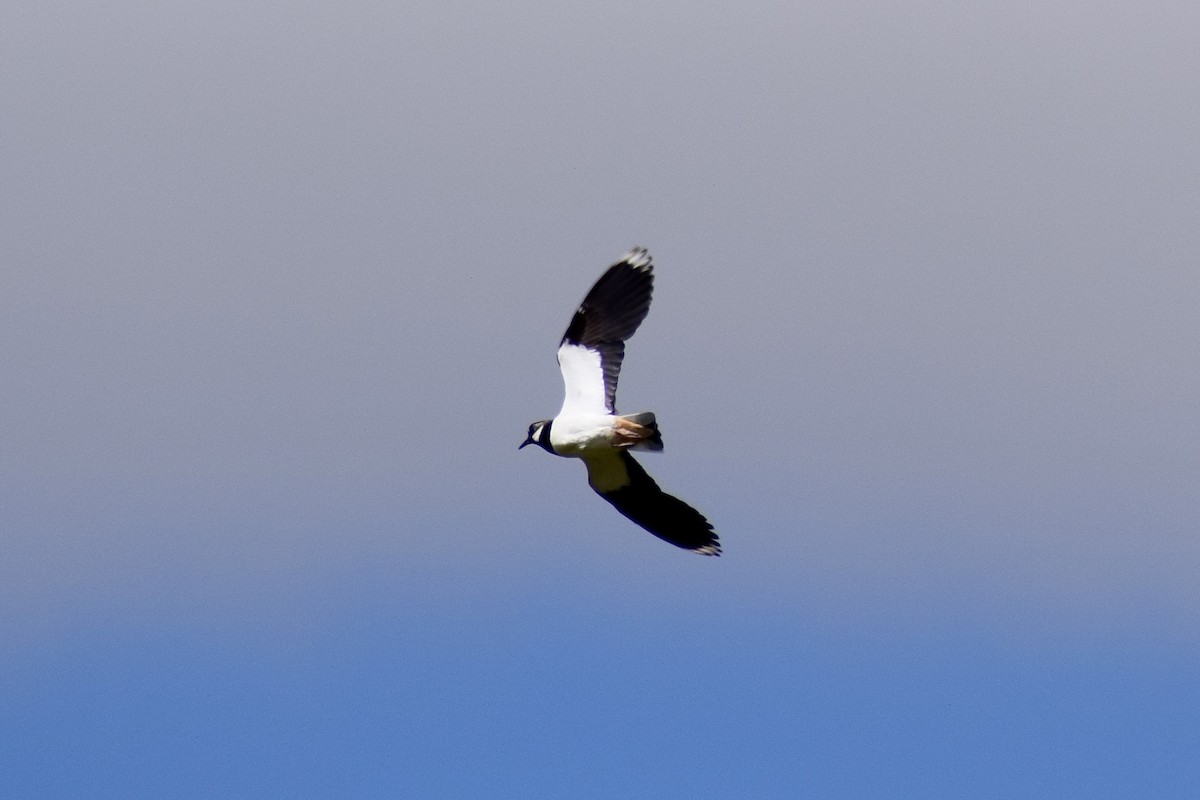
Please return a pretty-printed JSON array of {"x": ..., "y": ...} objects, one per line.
[{"x": 648, "y": 438}]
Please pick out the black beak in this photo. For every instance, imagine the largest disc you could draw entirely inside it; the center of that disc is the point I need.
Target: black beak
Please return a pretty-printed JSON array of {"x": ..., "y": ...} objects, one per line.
[{"x": 528, "y": 440}]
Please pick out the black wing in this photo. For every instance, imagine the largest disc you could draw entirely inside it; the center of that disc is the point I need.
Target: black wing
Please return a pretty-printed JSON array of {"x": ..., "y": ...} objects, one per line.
[
  {"x": 622, "y": 482},
  {"x": 610, "y": 314}
]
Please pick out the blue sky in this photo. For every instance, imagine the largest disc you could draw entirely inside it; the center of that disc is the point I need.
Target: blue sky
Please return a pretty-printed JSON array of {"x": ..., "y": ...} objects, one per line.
[{"x": 282, "y": 286}]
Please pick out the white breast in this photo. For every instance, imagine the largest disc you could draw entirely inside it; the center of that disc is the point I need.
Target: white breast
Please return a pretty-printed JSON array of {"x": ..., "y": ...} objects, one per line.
[{"x": 579, "y": 434}]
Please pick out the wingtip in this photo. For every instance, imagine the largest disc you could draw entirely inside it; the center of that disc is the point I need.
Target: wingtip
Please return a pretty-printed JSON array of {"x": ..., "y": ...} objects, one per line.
[
  {"x": 713, "y": 549},
  {"x": 639, "y": 258}
]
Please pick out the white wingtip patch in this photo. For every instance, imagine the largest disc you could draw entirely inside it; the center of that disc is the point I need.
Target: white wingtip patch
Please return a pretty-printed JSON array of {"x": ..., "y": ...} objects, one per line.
[
  {"x": 638, "y": 258},
  {"x": 709, "y": 550}
]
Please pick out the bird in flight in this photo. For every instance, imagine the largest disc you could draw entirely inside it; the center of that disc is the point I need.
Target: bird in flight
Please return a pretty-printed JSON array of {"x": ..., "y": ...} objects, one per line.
[{"x": 588, "y": 426}]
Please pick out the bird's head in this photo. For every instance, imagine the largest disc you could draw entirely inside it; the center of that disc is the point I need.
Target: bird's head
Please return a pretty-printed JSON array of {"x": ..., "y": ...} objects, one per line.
[{"x": 539, "y": 434}]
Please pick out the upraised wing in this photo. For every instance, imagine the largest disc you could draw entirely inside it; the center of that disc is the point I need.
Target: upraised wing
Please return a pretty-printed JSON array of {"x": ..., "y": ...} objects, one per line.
[{"x": 593, "y": 347}]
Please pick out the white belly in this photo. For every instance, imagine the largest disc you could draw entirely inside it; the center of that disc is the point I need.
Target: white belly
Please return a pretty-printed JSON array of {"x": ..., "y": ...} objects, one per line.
[{"x": 578, "y": 435}]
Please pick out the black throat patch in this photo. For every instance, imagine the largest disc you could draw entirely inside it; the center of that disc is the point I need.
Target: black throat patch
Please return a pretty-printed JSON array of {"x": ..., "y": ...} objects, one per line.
[{"x": 543, "y": 439}]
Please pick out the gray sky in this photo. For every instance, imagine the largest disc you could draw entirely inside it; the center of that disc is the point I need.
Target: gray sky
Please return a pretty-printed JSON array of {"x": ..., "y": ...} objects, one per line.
[{"x": 281, "y": 289}]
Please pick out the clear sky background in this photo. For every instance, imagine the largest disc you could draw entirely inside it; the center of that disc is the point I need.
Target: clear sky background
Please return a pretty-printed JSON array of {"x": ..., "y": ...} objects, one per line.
[{"x": 280, "y": 287}]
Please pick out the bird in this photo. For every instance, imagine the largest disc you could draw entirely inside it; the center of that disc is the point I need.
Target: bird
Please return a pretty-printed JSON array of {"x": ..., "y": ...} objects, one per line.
[{"x": 588, "y": 426}]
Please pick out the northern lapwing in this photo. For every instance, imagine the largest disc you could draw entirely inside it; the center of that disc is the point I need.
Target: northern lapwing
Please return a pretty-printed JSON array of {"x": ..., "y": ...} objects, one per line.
[{"x": 588, "y": 425}]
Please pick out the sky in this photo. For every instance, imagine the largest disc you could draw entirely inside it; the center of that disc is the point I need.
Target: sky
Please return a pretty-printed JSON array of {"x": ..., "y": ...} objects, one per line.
[{"x": 281, "y": 289}]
